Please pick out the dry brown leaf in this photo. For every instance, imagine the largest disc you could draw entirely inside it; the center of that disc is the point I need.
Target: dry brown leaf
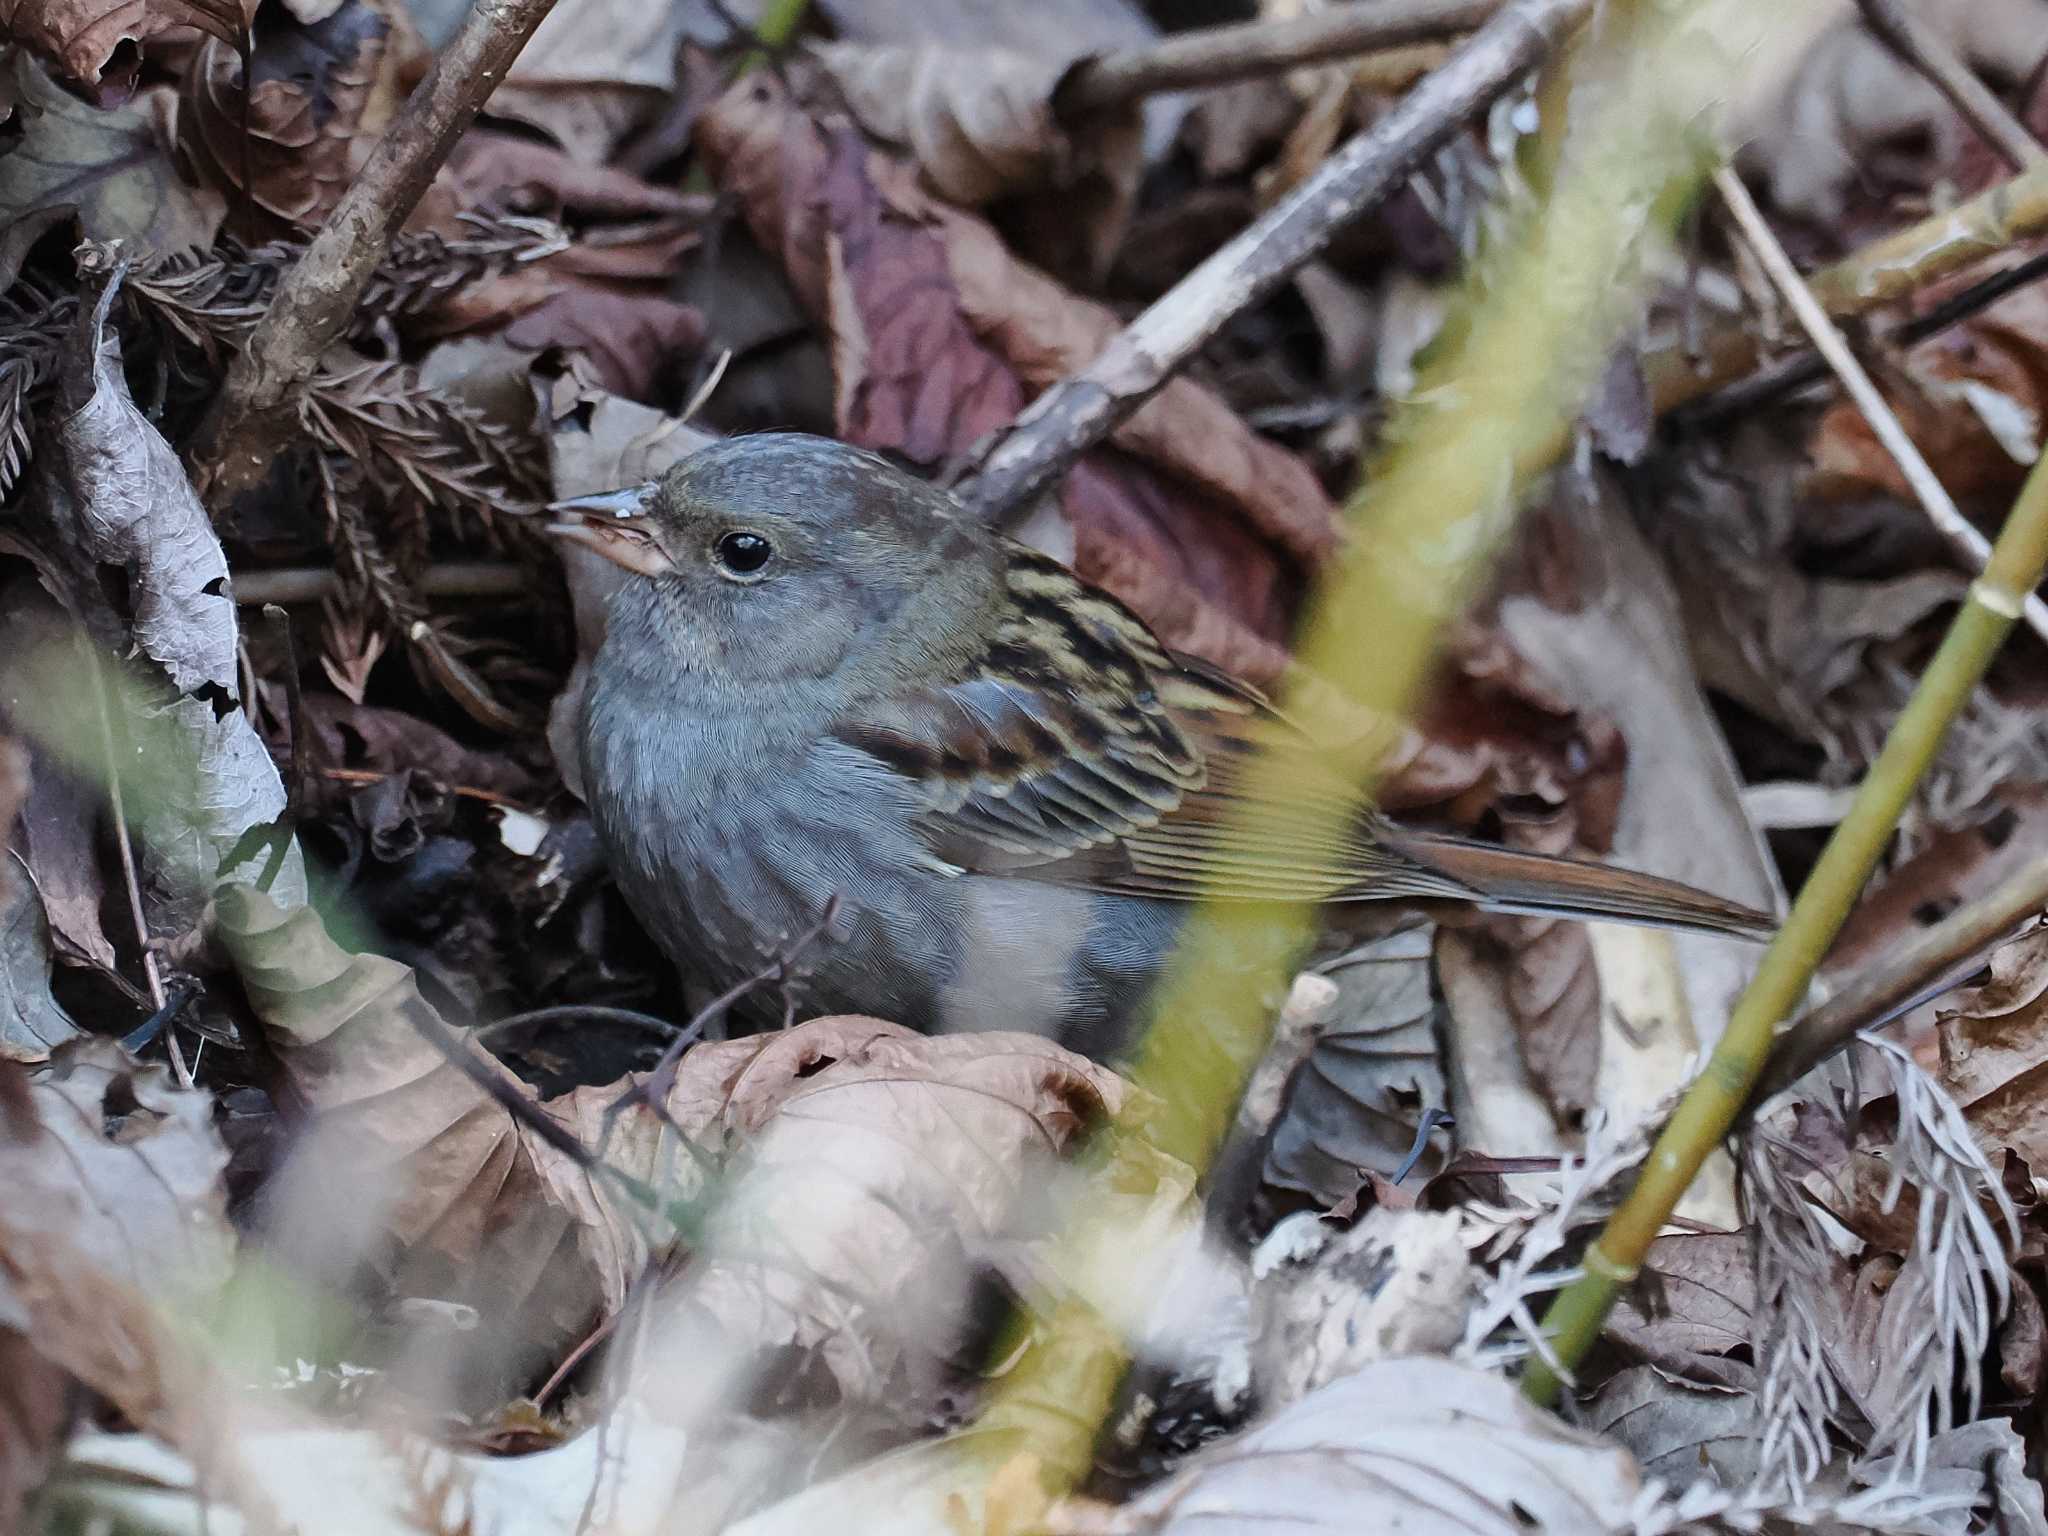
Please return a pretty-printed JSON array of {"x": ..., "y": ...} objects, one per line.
[
  {"x": 1973, "y": 401},
  {"x": 112, "y": 164},
  {"x": 877, "y": 1162},
  {"x": 368, "y": 739},
  {"x": 593, "y": 71},
  {"x": 872, "y": 1153},
  {"x": 122, "y": 1167},
  {"x": 473, "y": 1206},
  {"x": 939, "y": 336},
  {"x": 32, "y": 1021},
  {"x": 113, "y": 1236},
  {"x": 1693, "y": 1308},
  {"x": 56, "y": 847},
  {"x": 1681, "y": 1434},
  {"x": 636, "y": 341},
  {"x": 36, "y": 1409},
  {"x": 1994, "y": 1050},
  {"x": 980, "y": 126},
  {"x": 323, "y": 91},
  {"x": 1838, "y": 125},
  {"x": 84, "y": 37},
  {"x": 1356, "y": 1101}
]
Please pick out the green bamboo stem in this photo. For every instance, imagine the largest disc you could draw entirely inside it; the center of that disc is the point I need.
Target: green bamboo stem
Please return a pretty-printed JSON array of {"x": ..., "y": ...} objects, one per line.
[
  {"x": 1712, "y": 1103},
  {"x": 1529, "y": 336}
]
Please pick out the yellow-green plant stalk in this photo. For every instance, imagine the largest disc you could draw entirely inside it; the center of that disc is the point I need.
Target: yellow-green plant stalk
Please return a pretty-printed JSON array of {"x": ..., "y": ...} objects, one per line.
[
  {"x": 1712, "y": 1103},
  {"x": 1530, "y": 335}
]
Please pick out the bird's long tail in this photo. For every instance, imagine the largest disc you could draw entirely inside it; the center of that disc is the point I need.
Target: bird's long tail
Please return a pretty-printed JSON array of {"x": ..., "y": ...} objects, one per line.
[{"x": 1506, "y": 880}]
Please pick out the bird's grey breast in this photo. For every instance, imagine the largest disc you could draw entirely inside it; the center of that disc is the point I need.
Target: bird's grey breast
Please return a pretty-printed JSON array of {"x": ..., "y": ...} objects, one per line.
[{"x": 732, "y": 831}]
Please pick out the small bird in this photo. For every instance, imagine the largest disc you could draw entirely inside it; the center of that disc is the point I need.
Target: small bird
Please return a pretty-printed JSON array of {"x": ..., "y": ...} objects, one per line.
[{"x": 829, "y": 684}]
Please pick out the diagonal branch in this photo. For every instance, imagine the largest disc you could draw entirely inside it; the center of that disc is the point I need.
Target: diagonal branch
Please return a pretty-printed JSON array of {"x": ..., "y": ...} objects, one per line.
[
  {"x": 317, "y": 298},
  {"x": 1082, "y": 409},
  {"x": 1913, "y": 40}
]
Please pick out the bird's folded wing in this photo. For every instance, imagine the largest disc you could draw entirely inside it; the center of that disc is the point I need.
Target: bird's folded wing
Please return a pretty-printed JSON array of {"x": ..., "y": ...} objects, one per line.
[{"x": 1137, "y": 790}]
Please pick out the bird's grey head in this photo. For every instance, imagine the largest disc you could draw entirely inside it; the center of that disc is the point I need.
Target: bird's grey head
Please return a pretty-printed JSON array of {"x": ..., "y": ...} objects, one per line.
[{"x": 784, "y": 556}]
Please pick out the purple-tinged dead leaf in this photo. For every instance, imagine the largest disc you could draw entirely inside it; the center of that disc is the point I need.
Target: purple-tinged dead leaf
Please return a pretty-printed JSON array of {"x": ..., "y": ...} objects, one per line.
[{"x": 85, "y": 37}]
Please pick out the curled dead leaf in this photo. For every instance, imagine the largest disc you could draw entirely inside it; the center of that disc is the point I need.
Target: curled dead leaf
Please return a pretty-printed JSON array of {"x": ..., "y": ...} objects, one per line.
[
  {"x": 123, "y": 501},
  {"x": 871, "y": 1158},
  {"x": 113, "y": 165},
  {"x": 95, "y": 43}
]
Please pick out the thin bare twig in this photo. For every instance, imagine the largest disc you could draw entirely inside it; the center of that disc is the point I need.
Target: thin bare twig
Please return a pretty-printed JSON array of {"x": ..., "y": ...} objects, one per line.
[
  {"x": 317, "y": 298},
  {"x": 1216, "y": 55},
  {"x": 125, "y": 845},
  {"x": 653, "y": 1089},
  {"x": 1927, "y": 963},
  {"x": 1970, "y": 546},
  {"x": 1776, "y": 380},
  {"x": 455, "y": 578},
  {"x": 1928, "y": 51},
  {"x": 1085, "y": 407}
]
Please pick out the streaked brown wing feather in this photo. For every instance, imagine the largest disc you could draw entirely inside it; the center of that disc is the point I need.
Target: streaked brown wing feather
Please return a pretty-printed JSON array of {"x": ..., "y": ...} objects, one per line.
[{"x": 1082, "y": 752}]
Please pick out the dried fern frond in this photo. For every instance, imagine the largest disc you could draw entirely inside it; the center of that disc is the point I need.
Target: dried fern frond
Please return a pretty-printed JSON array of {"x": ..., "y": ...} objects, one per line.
[
  {"x": 206, "y": 302},
  {"x": 33, "y": 324},
  {"x": 424, "y": 270},
  {"x": 1960, "y": 1268},
  {"x": 1941, "y": 1310},
  {"x": 1800, "y": 1399},
  {"x": 412, "y": 442},
  {"x": 1502, "y": 1326},
  {"x": 212, "y": 298}
]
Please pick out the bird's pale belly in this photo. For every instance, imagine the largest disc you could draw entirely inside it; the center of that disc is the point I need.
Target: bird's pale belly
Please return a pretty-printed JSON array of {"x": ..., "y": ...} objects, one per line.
[{"x": 727, "y": 868}]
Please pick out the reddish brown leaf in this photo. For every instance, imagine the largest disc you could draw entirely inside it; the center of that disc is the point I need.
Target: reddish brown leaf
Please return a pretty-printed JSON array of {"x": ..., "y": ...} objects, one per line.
[
  {"x": 85, "y": 37},
  {"x": 938, "y": 335},
  {"x": 979, "y": 125},
  {"x": 322, "y": 92},
  {"x": 635, "y": 340}
]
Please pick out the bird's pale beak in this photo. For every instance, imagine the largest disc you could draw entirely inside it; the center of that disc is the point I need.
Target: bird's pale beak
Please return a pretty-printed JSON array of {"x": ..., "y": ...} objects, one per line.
[{"x": 612, "y": 524}]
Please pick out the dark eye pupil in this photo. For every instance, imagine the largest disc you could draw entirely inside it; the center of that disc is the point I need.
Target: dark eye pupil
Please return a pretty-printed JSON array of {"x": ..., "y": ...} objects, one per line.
[{"x": 743, "y": 553}]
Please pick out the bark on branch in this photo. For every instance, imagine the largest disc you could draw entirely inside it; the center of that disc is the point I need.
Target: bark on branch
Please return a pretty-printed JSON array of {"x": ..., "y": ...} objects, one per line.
[
  {"x": 1079, "y": 411},
  {"x": 1217, "y": 55},
  {"x": 318, "y": 295}
]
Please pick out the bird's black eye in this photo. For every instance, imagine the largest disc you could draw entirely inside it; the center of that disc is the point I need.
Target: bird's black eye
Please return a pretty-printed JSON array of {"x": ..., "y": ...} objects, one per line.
[{"x": 743, "y": 554}]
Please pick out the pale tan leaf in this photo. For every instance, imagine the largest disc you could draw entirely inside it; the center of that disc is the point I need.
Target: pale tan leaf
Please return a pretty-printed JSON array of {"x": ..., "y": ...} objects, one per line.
[{"x": 111, "y": 163}]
